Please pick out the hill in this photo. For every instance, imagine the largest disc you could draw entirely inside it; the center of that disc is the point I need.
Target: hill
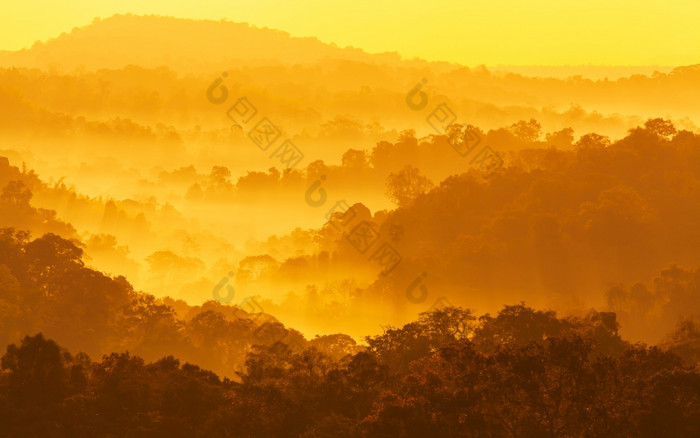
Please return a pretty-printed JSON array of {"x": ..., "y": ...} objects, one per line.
[{"x": 188, "y": 46}]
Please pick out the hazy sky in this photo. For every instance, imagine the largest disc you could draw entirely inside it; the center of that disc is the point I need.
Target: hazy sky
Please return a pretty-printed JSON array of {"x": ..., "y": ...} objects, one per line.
[{"x": 553, "y": 32}]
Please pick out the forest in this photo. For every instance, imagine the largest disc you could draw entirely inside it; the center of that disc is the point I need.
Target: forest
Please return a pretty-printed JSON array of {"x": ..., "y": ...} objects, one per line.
[
  {"x": 210, "y": 228},
  {"x": 519, "y": 373},
  {"x": 88, "y": 355}
]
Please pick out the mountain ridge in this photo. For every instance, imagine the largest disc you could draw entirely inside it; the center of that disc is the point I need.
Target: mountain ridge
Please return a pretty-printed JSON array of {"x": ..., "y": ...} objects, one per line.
[{"x": 175, "y": 47}]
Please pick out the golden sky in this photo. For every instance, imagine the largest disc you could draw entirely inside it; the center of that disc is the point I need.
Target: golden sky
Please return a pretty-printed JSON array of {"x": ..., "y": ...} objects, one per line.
[{"x": 513, "y": 32}]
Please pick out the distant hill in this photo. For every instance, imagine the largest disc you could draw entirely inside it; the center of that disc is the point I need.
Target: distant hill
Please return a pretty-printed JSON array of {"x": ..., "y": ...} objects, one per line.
[
  {"x": 194, "y": 46},
  {"x": 183, "y": 44}
]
